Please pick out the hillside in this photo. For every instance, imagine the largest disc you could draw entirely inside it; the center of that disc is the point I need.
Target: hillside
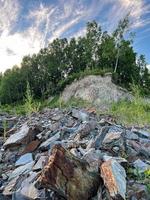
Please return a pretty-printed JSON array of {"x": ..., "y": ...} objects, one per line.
[{"x": 100, "y": 91}]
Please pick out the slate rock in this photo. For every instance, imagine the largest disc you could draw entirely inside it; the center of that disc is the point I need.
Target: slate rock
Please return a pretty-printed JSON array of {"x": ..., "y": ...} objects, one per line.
[
  {"x": 69, "y": 176},
  {"x": 21, "y": 170},
  {"x": 40, "y": 163},
  {"x": 111, "y": 136},
  {"x": 114, "y": 177},
  {"x": 141, "y": 133},
  {"x": 50, "y": 142},
  {"x": 140, "y": 165},
  {"x": 28, "y": 190},
  {"x": 22, "y": 136},
  {"x": 31, "y": 147},
  {"x": 80, "y": 115},
  {"x": 137, "y": 191},
  {"x": 26, "y": 158}
]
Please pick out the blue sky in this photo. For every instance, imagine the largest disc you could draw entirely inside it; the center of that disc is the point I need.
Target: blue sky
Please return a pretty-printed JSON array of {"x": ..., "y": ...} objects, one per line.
[{"x": 28, "y": 25}]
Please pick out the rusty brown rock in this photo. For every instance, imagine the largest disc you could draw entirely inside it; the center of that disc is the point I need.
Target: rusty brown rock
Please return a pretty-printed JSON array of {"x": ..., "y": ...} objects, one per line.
[
  {"x": 69, "y": 176},
  {"x": 32, "y": 146},
  {"x": 114, "y": 177}
]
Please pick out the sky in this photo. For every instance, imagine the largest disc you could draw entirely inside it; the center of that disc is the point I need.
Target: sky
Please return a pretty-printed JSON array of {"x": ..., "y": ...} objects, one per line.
[{"x": 26, "y": 26}]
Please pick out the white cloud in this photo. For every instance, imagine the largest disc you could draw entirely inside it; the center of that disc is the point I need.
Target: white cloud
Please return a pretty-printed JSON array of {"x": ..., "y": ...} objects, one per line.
[
  {"x": 14, "y": 46},
  {"x": 9, "y": 10},
  {"x": 49, "y": 22}
]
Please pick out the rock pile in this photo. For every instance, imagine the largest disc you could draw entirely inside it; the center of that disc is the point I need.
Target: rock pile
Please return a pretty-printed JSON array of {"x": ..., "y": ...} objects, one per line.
[
  {"x": 100, "y": 91},
  {"x": 74, "y": 154}
]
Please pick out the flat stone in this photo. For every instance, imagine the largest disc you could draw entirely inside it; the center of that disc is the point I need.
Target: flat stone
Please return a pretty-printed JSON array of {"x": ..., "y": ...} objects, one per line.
[
  {"x": 31, "y": 147},
  {"x": 22, "y": 136},
  {"x": 131, "y": 136},
  {"x": 21, "y": 170},
  {"x": 57, "y": 116},
  {"x": 40, "y": 163},
  {"x": 118, "y": 159},
  {"x": 69, "y": 176},
  {"x": 26, "y": 158},
  {"x": 114, "y": 129},
  {"x": 94, "y": 158},
  {"x": 75, "y": 152},
  {"x": 141, "y": 133},
  {"x": 8, "y": 190},
  {"x": 140, "y": 165},
  {"x": 111, "y": 136},
  {"x": 50, "y": 142},
  {"x": 80, "y": 115},
  {"x": 114, "y": 177},
  {"x": 28, "y": 190},
  {"x": 85, "y": 129}
]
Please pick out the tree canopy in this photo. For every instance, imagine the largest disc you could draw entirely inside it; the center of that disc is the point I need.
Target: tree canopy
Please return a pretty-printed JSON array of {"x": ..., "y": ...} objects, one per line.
[{"x": 48, "y": 71}]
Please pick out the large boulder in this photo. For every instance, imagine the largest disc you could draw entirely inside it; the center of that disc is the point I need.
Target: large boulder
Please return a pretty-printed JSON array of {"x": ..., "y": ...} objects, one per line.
[
  {"x": 69, "y": 175},
  {"x": 97, "y": 90}
]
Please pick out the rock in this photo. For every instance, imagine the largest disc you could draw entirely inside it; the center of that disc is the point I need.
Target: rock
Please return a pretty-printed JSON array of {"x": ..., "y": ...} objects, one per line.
[
  {"x": 10, "y": 156},
  {"x": 57, "y": 116},
  {"x": 141, "y": 147},
  {"x": 131, "y": 136},
  {"x": 32, "y": 146},
  {"x": 21, "y": 170},
  {"x": 75, "y": 152},
  {"x": 141, "y": 133},
  {"x": 98, "y": 90},
  {"x": 50, "y": 142},
  {"x": 80, "y": 115},
  {"x": 111, "y": 136},
  {"x": 40, "y": 163},
  {"x": 9, "y": 121},
  {"x": 97, "y": 143},
  {"x": 28, "y": 190},
  {"x": 69, "y": 176},
  {"x": 22, "y": 136},
  {"x": 121, "y": 161},
  {"x": 145, "y": 147},
  {"x": 85, "y": 129},
  {"x": 137, "y": 191},
  {"x": 8, "y": 190},
  {"x": 140, "y": 165},
  {"x": 94, "y": 158},
  {"x": 26, "y": 158},
  {"x": 114, "y": 177}
]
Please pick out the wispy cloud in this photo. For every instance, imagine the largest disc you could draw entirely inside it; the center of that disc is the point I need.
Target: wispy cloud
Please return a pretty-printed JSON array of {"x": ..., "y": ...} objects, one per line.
[
  {"x": 9, "y": 10},
  {"x": 60, "y": 18}
]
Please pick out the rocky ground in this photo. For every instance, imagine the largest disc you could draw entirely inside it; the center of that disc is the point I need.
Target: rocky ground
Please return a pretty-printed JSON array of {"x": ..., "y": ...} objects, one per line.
[
  {"x": 100, "y": 91},
  {"x": 73, "y": 154}
]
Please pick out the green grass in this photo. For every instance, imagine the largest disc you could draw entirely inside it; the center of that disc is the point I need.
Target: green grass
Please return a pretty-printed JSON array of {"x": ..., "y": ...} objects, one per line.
[
  {"x": 73, "y": 102},
  {"x": 136, "y": 112}
]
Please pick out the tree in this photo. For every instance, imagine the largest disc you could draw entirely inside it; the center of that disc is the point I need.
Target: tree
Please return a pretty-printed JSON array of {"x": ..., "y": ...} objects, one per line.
[{"x": 118, "y": 34}]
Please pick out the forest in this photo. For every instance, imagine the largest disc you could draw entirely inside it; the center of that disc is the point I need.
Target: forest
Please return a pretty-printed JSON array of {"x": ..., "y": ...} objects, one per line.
[{"x": 64, "y": 60}]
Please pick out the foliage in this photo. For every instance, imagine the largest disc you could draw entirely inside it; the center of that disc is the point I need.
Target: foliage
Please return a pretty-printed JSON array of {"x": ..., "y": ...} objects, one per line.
[
  {"x": 62, "y": 61},
  {"x": 73, "y": 102},
  {"x": 136, "y": 111},
  {"x": 142, "y": 177},
  {"x": 30, "y": 105}
]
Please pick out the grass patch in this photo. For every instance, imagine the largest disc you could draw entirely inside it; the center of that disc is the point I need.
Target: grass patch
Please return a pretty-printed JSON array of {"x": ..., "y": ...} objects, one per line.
[
  {"x": 57, "y": 102},
  {"x": 136, "y": 112}
]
